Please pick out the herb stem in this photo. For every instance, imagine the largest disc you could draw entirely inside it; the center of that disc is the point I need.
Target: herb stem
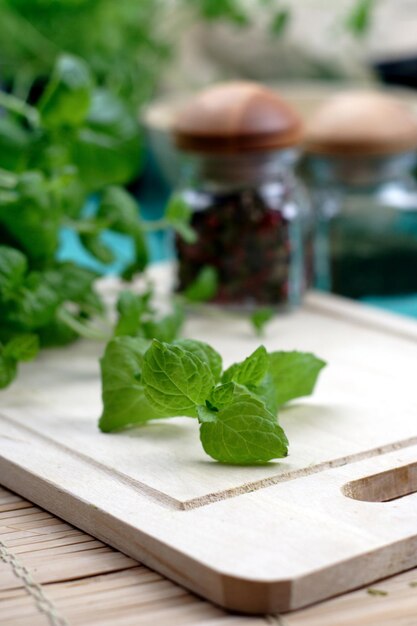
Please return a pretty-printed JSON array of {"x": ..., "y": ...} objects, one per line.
[
  {"x": 18, "y": 106},
  {"x": 88, "y": 332},
  {"x": 154, "y": 225},
  {"x": 85, "y": 227}
]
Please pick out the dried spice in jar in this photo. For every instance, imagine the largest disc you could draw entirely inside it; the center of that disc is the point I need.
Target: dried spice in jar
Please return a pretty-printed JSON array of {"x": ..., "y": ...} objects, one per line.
[{"x": 249, "y": 211}]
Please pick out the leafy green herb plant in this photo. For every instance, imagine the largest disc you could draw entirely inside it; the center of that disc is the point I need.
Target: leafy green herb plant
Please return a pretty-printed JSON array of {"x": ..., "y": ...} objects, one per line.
[
  {"x": 77, "y": 139},
  {"x": 236, "y": 408}
]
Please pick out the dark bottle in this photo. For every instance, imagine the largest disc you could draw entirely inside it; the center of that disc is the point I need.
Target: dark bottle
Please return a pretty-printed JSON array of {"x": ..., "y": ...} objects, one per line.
[
  {"x": 361, "y": 156},
  {"x": 250, "y": 212}
]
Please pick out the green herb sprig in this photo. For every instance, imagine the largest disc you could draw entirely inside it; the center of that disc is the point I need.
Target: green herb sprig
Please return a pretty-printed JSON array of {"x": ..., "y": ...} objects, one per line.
[{"x": 236, "y": 408}]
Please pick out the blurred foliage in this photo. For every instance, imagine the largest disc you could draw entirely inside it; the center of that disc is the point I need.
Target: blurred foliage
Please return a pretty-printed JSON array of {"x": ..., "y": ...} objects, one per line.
[
  {"x": 126, "y": 43},
  {"x": 280, "y": 22},
  {"x": 119, "y": 40},
  {"x": 359, "y": 20}
]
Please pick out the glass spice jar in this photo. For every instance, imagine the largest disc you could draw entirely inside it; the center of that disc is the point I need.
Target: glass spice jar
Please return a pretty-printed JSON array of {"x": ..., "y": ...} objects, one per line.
[
  {"x": 250, "y": 212},
  {"x": 360, "y": 161}
]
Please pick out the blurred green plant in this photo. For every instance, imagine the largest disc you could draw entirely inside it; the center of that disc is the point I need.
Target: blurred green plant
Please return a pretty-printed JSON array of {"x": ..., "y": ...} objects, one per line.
[
  {"x": 127, "y": 43},
  {"x": 359, "y": 19},
  {"x": 76, "y": 140},
  {"x": 119, "y": 40}
]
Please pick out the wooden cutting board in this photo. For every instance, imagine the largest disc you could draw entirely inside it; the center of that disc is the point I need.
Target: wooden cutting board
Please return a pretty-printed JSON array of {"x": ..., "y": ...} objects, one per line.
[{"x": 339, "y": 512}]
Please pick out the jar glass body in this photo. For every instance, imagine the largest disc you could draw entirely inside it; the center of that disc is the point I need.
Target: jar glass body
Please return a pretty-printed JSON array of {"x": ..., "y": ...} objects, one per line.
[
  {"x": 366, "y": 230},
  {"x": 253, "y": 225}
]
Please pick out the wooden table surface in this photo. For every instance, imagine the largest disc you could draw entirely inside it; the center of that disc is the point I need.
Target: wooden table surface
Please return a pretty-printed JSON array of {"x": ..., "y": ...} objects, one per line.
[{"x": 52, "y": 573}]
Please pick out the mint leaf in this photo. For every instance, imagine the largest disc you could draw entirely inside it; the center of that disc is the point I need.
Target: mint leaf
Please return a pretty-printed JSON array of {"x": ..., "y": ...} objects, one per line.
[
  {"x": 8, "y": 371},
  {"x": 33, "y": 218},
  {"x": 131, "y": 308},
  {"x": 19, "y": 348},
  {"x": 69, "y": 281},
  {"x": 124, "y": 401},
  {"x": 67, "y": 97},
  {"x": 56, "y": 333},
  {"x": 292, "y": 375},
  {"x": 244, "y": 432},
  {"x": 121, "y": 211},
  {"x": 94, "y": 244},
  {"x": 277, "y": 377},
  {"x": 178, "y": 215},
  {"x": 13, "y": 267},
  {"x": 225, "y": 394},
  {"x": 206, "y": 353},
  {"x": 250, "y": 371},
  {"x": 107, "y": 148},
  {"x": 167, "y": 328},
  {"x": 138, "y": 318},
  {"x": 22, "y": 348},
  {"x": 280, "y": 22},
  {"x": 35, "y": 305},
  {"x": 360, "y": 18},
  {"x": 260, "y": 318},
  {"x": 226, "y": 10},
  {"x": 176, "y": 380},
  {"x": 204, "y": 287}
]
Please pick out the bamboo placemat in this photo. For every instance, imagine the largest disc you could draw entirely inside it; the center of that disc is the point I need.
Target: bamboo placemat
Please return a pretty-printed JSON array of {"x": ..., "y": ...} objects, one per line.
[{"x": 54, "y": 574}]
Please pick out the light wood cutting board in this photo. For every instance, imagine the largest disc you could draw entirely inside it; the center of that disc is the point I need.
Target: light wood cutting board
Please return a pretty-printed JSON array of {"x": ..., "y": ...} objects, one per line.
[{"x": 339, "y": 512}]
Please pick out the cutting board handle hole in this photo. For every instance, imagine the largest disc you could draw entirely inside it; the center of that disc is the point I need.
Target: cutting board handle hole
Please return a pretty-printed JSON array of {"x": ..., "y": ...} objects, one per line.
[{"x": 384, "y": 487}]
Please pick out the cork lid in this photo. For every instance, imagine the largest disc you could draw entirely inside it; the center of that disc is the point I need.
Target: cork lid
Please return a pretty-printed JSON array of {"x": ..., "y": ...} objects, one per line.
[
  {"x": 234, "y": 117},
  {"x": 362, "y": 123}
]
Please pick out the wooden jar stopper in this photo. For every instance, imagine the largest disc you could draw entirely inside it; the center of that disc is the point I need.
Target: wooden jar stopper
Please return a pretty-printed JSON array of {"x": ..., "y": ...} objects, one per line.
[
  {"x": 237, "y": 117},
  {"x": 360, "y": 124}
]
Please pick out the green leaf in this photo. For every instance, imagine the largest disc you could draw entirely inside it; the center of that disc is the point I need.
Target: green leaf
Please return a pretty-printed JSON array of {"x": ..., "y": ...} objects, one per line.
[
  {"x": 36, "y": 300},
  {"x": 22, "y": 348},
  {"x": 124, "y": 401},
  {"x": 36, "y": 304},
  {"x": 131, "y": 308},
  {"x": 228, "y": 10},
  {"x": 8, "y": 371},
  {"x": 96, "y": 247},
  {"x": 176, "y": 380},
  {"x": 244, "y": 432},
  {"x": 67, "y": 191},
  {"x": 226, "y": 394},
  {"x": 206, "y": 353},
  {"x": 69, "y": 281},
  {"x": 19, "y": 348},
  {"x": 276, "y": 378},
  {"x": 359, "y": 20},
  {"x": 56, "y": 333},
  {"x": 280, "y": 22},
  {"x": 67, "y": 97},
  {"x": 107, "y": 149},
  {"x": 204, "y": 287},
  {"x": 178, "y": 215},
  {"x": 293, "y": 374},
  {"x": 14, "y": 144},
  {"x": 250, "y": 371},
  {"x": 141, "y": 256},
  {"x": 13, "y": 267},
  {"x": 260, "y": 318},
  {"x": 121, "y": 211},
  {"x": 32, "y": 219},
  {"x": 166, "y": 329}
]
